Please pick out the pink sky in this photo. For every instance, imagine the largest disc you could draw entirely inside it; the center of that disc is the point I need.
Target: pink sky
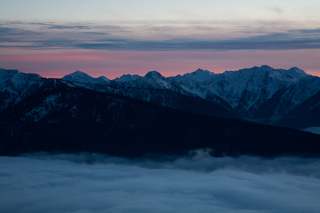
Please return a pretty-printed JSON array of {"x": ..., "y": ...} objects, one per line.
[
  {"x": 112, "y": 64},
  {"x": 112, "y": 38}
]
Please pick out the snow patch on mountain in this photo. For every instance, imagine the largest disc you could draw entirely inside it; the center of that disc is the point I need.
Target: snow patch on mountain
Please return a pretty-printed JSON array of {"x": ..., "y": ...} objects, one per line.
[
  {"x": 82, "y": 77},
  {"x": 14, "y": 86},
  {"x": 303, "y": 89},
  {"x": 244, "y": 90},
  {"x": 127, "y": 77},
  {"x": 14, "y": 81},
  {"x": 199, "y": 75},
  {"x": 152, "y": 80},
  {"x": 247, "y": 87},
  {"x": 48, "y": 105},
  {"x": 314, "y": 129},
  {"x": 254, "y": 92}
]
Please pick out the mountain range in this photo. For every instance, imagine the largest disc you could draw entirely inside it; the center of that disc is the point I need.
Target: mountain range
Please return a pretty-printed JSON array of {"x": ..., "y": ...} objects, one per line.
[
  {"x": 261, "y": 94},
  {"x": 236, "y": 112}
]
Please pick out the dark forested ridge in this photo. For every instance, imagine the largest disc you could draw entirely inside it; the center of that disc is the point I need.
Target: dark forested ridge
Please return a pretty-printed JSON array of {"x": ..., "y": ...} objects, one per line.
[
  {"x": 58, "y": 118},
  {"x": 154, "y": 114}
]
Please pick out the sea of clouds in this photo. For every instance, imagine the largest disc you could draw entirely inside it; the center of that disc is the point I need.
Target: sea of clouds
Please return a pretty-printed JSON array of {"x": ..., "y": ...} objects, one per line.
[{"x": 90, "y": 182}]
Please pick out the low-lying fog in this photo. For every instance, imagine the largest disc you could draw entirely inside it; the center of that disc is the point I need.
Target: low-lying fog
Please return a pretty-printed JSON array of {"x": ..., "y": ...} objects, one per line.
[{"x": 99, "y": 183}]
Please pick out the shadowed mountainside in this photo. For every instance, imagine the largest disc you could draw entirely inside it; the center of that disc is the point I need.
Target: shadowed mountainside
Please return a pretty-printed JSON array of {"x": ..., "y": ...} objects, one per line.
[{"x": 59, "y": 118}]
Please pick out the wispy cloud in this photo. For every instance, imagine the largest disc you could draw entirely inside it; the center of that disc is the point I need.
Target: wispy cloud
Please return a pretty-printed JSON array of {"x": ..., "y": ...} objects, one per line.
[
  {"x": 61, "y": 27},
  {"x": 153, "y": 38},
  {"x": 6, "y": 32}
]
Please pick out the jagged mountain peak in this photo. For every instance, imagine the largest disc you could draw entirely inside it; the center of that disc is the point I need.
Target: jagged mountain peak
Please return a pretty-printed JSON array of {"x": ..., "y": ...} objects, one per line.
[
  {"x": 2, "y": 70},
  {"x": 256, "y": 92},
  {"x": 199, "y": 70},
  {"x": 153, "y": 74},
  {"x": 77, "y": 73},
  {"x": 202, "y": 72},
  {"x": 246, "y": 88},
  {"x": 127, "y": 77},
  {"x": 199, "y": 75},
  {"x": 265, "y": 71},
  {"x": 292, "y": 70},
  {"x": 78, "y": 76},
  {"x": 103, "y": 78},
  {"x": 271, "y": 69},
  {"x": 266, "y": 67},
  {"x": 17, "y": 78},
  {"x": 7, "y": 74},
  {"x": 81, "y": 77},
  {"x": 15, "y": 85},
  {"x": 152, "y": 79},
  {"x": 13, "y": 72},
  {"x": 297, "y": 69},
  {"x": 256, "y": 69},
  {"x": 296, "y": 72}
]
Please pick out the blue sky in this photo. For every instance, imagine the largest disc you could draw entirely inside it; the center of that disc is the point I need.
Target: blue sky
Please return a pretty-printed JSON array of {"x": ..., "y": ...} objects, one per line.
[
  {"x": 146, "y": 10},
  {"x": 126, "y": 29}
]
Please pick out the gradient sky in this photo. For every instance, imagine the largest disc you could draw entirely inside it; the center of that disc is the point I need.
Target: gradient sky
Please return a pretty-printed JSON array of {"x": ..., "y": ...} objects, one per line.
[{"x": 115, "y": 37}]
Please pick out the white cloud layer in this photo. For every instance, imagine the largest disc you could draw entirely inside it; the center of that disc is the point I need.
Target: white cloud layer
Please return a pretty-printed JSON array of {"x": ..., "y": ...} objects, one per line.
[{"x": 97, "y": 183}]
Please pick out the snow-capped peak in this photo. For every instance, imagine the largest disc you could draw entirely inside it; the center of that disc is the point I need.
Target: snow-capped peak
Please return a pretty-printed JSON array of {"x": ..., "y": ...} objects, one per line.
[
  {"x": 152, "y": 79},
  {"x": 102, "y": 80},
  {"x": 153, "y": 75},
  {"x": 16, "y": 76},
  {"x": 18, "y": 85},
  {"x": 244, "y": 88},
  {"x": 82, "y": 77},
  {"x": 266, "y": 67},
  {"x": 127, "y": 77},
  {"x": 199, "y": 75},
  {"x": 297, "y": 73},
  {"x": 6, "y": 74},
  {"x": 78, "y": 76},
  {"x": 294, "y": 72},
  {"x": 261, "y": 73}
]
